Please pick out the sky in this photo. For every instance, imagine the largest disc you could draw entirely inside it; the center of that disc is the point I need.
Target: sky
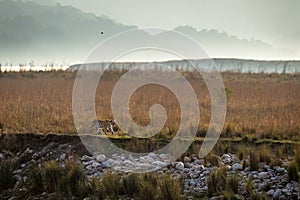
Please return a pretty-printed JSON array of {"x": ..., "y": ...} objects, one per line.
[
  {"x": 246, "y": 29},
  {"x": 272, "y": 21}
]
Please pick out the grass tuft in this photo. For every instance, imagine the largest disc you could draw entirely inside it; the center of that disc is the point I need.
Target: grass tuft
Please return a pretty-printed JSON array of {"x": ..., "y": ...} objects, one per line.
[
  {"x": 7, "y": 179},
  {"x": 253, "y": 161},
  {"x": 293, "y": 172}
]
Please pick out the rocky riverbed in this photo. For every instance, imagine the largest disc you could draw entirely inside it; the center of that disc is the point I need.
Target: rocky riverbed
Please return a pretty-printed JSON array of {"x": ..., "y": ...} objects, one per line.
[{"x": 270, "y": 181}]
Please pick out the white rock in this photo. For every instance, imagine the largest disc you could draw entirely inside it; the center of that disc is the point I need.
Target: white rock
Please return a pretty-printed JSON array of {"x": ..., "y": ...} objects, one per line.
[
  {"x": 266, "y": 167},
  {"x": 201, "y": 167},
  {"x": 199, "y": 161},
  {"x": 25, "y": 179},
  {"x": 18, "y": 171},
  {"x": 35, "y": 156},
  {"x": 96, "y": 164},
  {"x": 144, "y": 166},
  {"x": 115, "y": 156},
  {"x": 285, "y": 190},
  {"x": 194, "y": 175},
  {"x": 226, "y": 158},
  {"x": 63, "y": 156},
  {"x": 18, "y": 177},
  {"x": 186, "y": 159},
  {"x": 163, "y": 156},
  {"x": 237, "y": 166},
  {"x": 228, "y": 167},
  {"x": 270, "y": 192},
  {"x": 277, "y": 194},
  {"x": 89, "y": 167},
  {"x": 86, "y": 158},
  {"x": 127, "y": 162},
  {"x": 197, "y": 190},
  {"x": 279, "y": 169},
  {"x": 130, "y": 157},
  {"x": 100, "y": 158},
  {"x": 149, "y": 160},
  {"x": 159, "y": 164},
  {"x": 263, "y": 175},
  {"x": 106, "y": 164},
  {"x": 152, "y": 155},
  {"x": 85, "y": 163},
  {"x": 29, "y": 151},
  {"x": 180, "y": 166},
  {"x": 141, "y": 159}
]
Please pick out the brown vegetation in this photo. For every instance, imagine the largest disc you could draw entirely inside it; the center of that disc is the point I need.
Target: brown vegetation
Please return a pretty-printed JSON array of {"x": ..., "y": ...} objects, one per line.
[
  {"x": 56, "y": 181},
  {"x": 260, "y": 106}
]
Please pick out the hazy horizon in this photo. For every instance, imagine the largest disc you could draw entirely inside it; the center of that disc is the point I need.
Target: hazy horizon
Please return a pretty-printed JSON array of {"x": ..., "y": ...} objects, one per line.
[
  {"x": 267, "y": 20},
  {"x": 45, "y": 31}
]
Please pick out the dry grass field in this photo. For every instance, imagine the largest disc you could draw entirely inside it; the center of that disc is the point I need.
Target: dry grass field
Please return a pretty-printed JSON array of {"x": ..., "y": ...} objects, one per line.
[
  {"x": 262, "y": 128},
  {"x": 259, "y": 106}
]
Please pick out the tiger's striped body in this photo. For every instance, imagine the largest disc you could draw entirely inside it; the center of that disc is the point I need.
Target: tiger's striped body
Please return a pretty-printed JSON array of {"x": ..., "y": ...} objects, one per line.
[{"x": 105, "y": 126}]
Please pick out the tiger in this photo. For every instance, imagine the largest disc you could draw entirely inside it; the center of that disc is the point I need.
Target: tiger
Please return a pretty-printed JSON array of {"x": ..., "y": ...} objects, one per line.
[{"x": 105, "y": 126}]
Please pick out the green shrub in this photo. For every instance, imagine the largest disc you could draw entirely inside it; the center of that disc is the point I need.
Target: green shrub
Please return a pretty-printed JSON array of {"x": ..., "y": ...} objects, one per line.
[
  {"x": 241, "y": 152},
  {"x": 148, "y": 191},
  {"x": 7, "y": 179},
  {"x": 36, "y": 181},
  {"x": 170, "y": 189},
  {"x": 131, "y": 184},
  {"x": 233, "y": 183},
  {"x": 293, "y": 172},
  {"x": 265, "y": 154},
  {"x": 70, "y": 181},
  {"x": 52, "y": 173},
  {"x": 76, "y": 179},
  {"x": 258, "y": 197},
  {"x": 253, "y": 161},
  {"x": 229, "y": 196},
  {"x": 249, "y": 188},
  {"x": 297, "y": 157},
  {"x": 111, "y": 183},
  {"x": 219, "y": 182},
  {"x": 216, "y": 182},
  {"x": 95, "y": 189},
  {"x": 65, "y": 181}
]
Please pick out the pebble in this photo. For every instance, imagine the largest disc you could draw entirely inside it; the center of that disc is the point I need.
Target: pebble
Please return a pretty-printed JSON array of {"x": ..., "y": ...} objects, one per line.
[
  {"x": 96, "y": 164},
  {"x": 237, "y": 166},
  {"x": 277, "y": 194},
  {"x": 279, "y": 169},
  {"x": 63, "y": 156},
  {"x": 270, "y": 192},
  {"x": 100, "y": 158},
  {"x": 86, "y": 158},
  {"x": 186, "y": 159},
  {"x": 180, "y": 166},
  {"x": 226, "y": 158},
  {"x": 263, "y": 175}
]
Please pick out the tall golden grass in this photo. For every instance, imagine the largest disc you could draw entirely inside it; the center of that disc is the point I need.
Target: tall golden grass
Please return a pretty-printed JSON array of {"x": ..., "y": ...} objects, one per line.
[{"x": 259, "y": 105}]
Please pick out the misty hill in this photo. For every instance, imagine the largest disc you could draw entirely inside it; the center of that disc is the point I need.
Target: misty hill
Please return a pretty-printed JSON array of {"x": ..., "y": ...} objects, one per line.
[
  {"x": 221, "y": 43},
  {"x": 51, "y": 32},
  {"x": 31, "y": 31}
]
